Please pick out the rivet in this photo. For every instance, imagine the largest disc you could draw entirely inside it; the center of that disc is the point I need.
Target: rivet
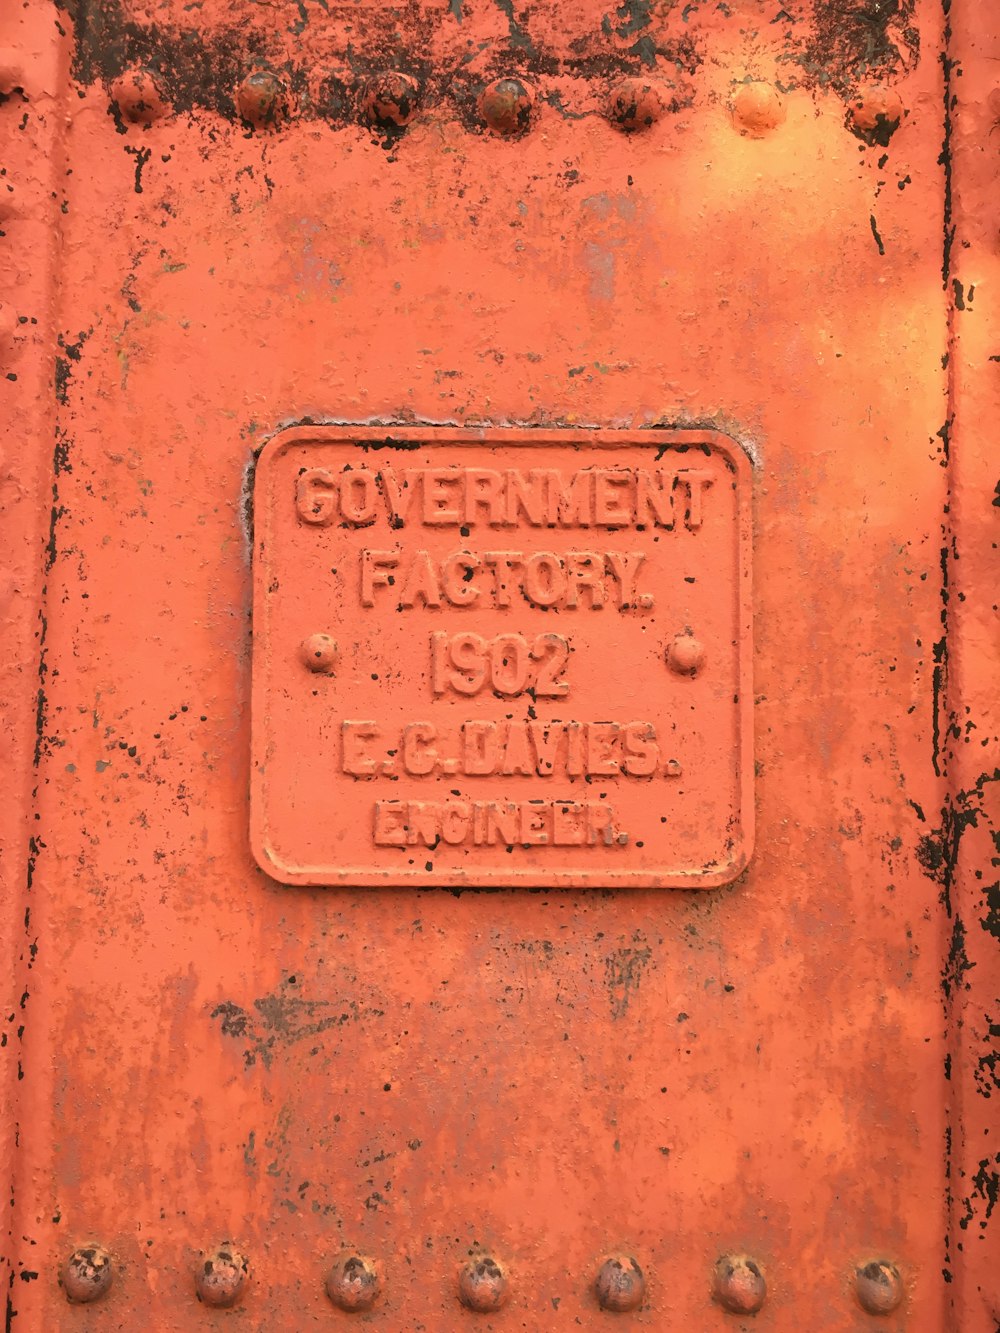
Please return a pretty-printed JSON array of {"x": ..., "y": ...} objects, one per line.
[
  {"x": 636, "y": 104},
  {"x": 738, "y": 1284},
  {"x": 137, "y": 96},
  {"x": 390, "y": 98},
  {"x": 757, "y": 108},
  {"x": 9, "y": 324},
  {"x": 876, "y": 113},
  {"x": 352, "y": 1283},
  {"x": 879, "y": 1286},
  {"x": 319, "y": 652},
  {"x": 11, "y": 70},
  {"x": 620, "y": 1284},
  {"x": 482, "y": 1283},
  {"x": 87, "y": 1274},
  {"x": 506, "y": 106},
  {"x": 261, "y": 99},
  {"x": 221, "y": 1277},
  {"x": 685, "y": 654}
]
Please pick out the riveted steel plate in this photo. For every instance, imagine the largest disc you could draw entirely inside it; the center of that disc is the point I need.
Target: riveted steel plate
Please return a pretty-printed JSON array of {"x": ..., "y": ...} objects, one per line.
[{"x": 501, "y": 657}]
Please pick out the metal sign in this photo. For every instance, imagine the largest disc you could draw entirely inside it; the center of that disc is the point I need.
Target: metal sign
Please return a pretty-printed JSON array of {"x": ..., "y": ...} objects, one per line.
[{"x": 501, "y": 657}]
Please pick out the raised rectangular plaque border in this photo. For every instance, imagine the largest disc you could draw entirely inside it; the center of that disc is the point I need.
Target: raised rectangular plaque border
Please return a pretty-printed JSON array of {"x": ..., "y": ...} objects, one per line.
[{"x": 510, "y": 876}]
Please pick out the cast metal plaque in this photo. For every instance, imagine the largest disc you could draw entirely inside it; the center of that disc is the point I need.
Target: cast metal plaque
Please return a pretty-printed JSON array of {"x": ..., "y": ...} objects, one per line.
[{"x": 501, "y": 657}]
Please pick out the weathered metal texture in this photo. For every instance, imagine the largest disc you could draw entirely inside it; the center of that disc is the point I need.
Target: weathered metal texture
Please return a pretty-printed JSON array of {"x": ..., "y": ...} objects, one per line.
[{"x": 483, "y": 1099}]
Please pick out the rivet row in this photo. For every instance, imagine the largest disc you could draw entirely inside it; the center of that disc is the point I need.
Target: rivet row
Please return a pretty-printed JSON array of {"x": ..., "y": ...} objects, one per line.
[
  {"x": 389, "y": 102},
  {"x": 483, "y": 1284}
]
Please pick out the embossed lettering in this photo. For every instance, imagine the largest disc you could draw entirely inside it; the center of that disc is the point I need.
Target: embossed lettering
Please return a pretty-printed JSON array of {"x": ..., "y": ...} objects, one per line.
[
  {"x": 438, "y": 497},
  {"x": 356, "y": 757},
  {"x": 503, "y": 579},
  {"x": 316, "y": 496},
  {"x": 534, "y": 823},
  {"x": 509, "y": 665}
]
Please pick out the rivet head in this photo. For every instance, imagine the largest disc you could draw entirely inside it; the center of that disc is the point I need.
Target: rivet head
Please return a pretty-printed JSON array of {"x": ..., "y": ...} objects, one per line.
[
  {"x": 685, "y": 654},
  {"x": 261, "y": 100},
  {"x": 9, "y": 324},
  {"x": 506, "y": 106},
  {"x": 879, "y": 1286},
  {"x": 390, "y": 98},
  {"x": 138, "y": 97},
  {"x": 876, "y": 113},
  {"x": 620, "y": 1284},
  {"x": 87, "y": 1274},
  {"x": 757, "y": 108},
  {"x": 221, "y": 1277},
  {"x": 482, "y": 1283},
  {"x": 11, "y": 69},
  {"x": 352, "y": 1283},
  {"x": 636, "y": 104},
  {"x": 320, "y": 652},
  {"x": 738, "y": 1284}
]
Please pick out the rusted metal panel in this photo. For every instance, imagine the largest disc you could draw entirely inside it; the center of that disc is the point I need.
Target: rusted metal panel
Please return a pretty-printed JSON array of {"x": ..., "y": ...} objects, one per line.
[
  {"x": 433, "y": 699},
  {"x": 521, "y": 1107}
]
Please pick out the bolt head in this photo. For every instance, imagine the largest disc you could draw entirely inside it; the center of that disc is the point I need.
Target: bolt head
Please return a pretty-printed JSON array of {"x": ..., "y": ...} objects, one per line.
[
  {"x": 636, "y": 104},
  {"x": 138, "y": 97},
  {"x": 685, "y": 655},
  {"x": 620, "y": 1284},
  {"x": 87, "y": 1274},
  {"x": 390, "y": 98},
  {"x": 738, "y": 1284},
  {"x": 506, "y": 106},
  {"x": 352, "y": 1284},
  {"x": 757, "y": 109},
  {"x": 221, "y": 1277},
  {"x": 879, "y": 1286},
  {"x": 482, "y": 1283},
  {"x": 319, "y": 653},
  {"x": 261, "y": 100}
]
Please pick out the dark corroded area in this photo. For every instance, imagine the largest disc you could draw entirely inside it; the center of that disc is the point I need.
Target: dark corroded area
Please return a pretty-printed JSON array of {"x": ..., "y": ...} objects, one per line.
[{"x": 819, "y": 46}]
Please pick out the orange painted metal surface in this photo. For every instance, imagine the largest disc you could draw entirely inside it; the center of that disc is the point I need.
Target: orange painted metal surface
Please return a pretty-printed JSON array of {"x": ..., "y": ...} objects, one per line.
[
  {"x": 433, "y": 700},
  {"x": 769, "y": 1103}
]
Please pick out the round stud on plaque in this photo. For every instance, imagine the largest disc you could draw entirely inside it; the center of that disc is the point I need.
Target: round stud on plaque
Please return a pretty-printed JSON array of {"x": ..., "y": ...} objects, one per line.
[
  {"x": 685, "y": 655},
  {"x": 620, "y": 1284},
  {"x": 505, "y": 106},
  {"x": 757, "y": 108},
  {"x": 636, "y": 104},
  {"x": 87, "y": 1274},
  {"x": 483, "y": 1284},
  {"x": 876, "y": 113},
  {"x": 879, "y": 1286},
  {"x": 390, "y": 99},
  {"x": 221, "y": 1277},
  {"x": 261, "y": 100},
  {"x": 738, "y": 1284},
  {"x": 352, "y": 1284},
  {"x": 137, "y": 96},
  {"x": 319, "y": 653}
]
